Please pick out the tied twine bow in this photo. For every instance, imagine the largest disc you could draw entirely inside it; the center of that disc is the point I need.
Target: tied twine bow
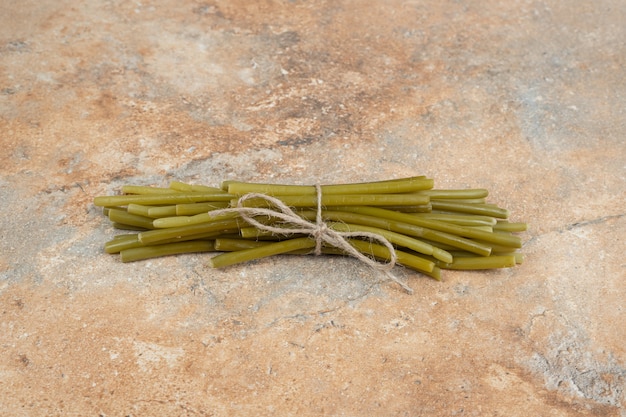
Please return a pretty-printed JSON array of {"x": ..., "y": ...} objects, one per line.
[{"x": 318, "y": 230}]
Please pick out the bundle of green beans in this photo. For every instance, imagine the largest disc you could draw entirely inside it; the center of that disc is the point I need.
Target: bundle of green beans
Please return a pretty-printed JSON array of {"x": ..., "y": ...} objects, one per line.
[{"x": 430, "y": 229}]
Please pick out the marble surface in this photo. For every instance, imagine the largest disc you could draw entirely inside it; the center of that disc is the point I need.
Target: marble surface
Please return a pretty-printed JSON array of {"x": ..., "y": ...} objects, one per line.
[{"x": 524, "y": 98}]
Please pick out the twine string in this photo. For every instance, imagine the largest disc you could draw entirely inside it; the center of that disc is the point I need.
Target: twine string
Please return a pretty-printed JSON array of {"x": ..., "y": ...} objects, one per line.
[{"x": 318, "y": 230}]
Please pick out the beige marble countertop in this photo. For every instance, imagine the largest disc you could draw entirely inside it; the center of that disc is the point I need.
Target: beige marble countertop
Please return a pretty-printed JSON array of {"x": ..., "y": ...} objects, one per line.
[{"x": 524, "y": 98}]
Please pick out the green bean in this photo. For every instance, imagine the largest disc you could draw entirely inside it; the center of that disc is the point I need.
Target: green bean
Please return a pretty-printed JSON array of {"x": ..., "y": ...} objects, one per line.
[
  {"x": 488, "y": 229},
  {"x": 254, "y": 233},
  {"x": 422, "y": 208},
  {"x": 231, "y": 245},
  {"x": 482, "y": 262},
  {"x": 246, "y": 255},
  {"x": 161, "y": 211},
  {"x": 122, "y": 226},
  {"x": 123, "y": 217},
  {"x": 410, "y": 199},
  {"x": 225, "y": 226},
  {"x": 189, "y": 188},
  {"x": 510, "y": 227},
  {"x": 132, "y": 241},
  {"x": 484, "y": 210},
  {"x": 460, "y": 219},
  {"x": 404, "y": 228},
  {"x": 450, "y": 248},
  {"x": 122, "y": 242},
  {"x": 460, "y": 200},
  {"x": 139, "y": 253},
  {"x": 403, "y": 258},
  {"x": 198, "y": 208},
  {"x": 519, "y": 257},
  {"x": 456, "y": 194},
  {"x": 179, "y": 221},
  {"x": 497, "y": 238},
  {"x": 160, "y": 199},
  {"x": 405, "y": 185},
  {"x": 430, "y": 229},
  {"x": 140, "y": 189},
  {"x": 395, "y": 238},
  {"x": 261, "y": 250},
  {"x": 497, "y": 248},
  {"x": 138, "y": 209},
  {"x": 463, "y": 254}
]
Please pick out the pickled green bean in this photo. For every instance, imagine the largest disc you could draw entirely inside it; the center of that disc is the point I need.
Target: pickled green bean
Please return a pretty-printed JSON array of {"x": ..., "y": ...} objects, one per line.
[
  {"x": 140, "y": 189},
  {"x": 460, "y": 200},
  {"x": 395, "y": 238},
  {"x": 192, "y": 188},
  {"x": 246, "y": 255},
  {"x": 124, "y": 217},
  {"x": 179, "y": 221},
  {"x": 231, "y": 245},
  {"x": 198, "y": 208},
  {"x": 405, "y": 185},
  {"x": 122, "y": 226},
  {"x": 410, "y": 199},
  {"x": 460, "y": 219},
  {"x": 160, "y": 199},
  {"x": 161, "y": 211},
  {"x": 122, "y": 242},
  {"x": 456, "y": 194},
  {"x": 431, "y": 229},
  {"x": 381, "y": 252},
  {"x": 422, "y": 208},
  {"x": 480, "y": 209},
  {"x": 225, "y": 226},
  {"x": 138, "y": 209},
  {"x": 510, "y": 227},
  {"x": 482, "y": 262},
  {"x": 404, "y": 228},
  {"x": 146, "y": 252},
  {"x": 497, "y": 238}
]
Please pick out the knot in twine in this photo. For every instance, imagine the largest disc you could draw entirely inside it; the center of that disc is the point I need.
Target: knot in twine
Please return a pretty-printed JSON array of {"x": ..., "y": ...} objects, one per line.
[{"x": 318, "y": 230}]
